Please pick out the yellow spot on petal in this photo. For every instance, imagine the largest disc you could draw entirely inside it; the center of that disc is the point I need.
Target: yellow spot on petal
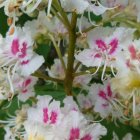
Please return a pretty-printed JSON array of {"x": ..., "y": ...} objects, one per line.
[{"x": 35, "y": 137}]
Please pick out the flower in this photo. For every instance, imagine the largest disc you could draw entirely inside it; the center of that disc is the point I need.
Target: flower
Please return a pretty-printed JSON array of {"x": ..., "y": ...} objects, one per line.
[
  {"x": 106, "y": 102},
  {"x": 14, "y": 124},
  {"x": 85, "y": 102},
  {"x": 57, "y": 70},
  {"x": 128, "y": 136},
  {"x": 82, "y": 81},
  {"x": 50, "y": 117},
  {"x": 39, "y": 25},
  {"x": 24, "y": 86},
  {"x": 17, "y": 52},
  {"x": 104, "y": 47},
  {"x": 9, "y": 134},
  {"x": 75, "y": 5},
  {"x": 46, "y": 112},
  {"x": 80, "y": 6}
]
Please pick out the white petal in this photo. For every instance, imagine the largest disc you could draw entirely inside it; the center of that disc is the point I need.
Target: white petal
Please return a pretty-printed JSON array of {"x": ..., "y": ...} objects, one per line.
[{"x": 35, "y": 62}]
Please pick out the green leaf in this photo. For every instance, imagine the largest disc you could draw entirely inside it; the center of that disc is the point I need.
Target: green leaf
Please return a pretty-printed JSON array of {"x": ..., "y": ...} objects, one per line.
[
  {"x": 3, "y": 22},
  {"x": 121, "y": 130},
  {"x": 56, "y": 91}
]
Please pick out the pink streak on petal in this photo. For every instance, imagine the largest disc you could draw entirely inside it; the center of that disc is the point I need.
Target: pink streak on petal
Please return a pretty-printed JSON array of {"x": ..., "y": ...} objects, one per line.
[
  {"x": 45, "y": 115},
  {"x": 15, "y": 46},
  {"x": 109, "y": 91},
  {"x": 53, "y": 117},
  {"x": 132, "y": 51},
  {"x": 23, "y": 50},
  {"x": 101, "y": 44},
  {"x": 97, "y": 55},
  {"x": 105, "y": 105},
  {"x": 24, "y": 91},
  {"x": 102, "y": 94},
  {"x": 27, "y": 82},
  {"x": 86, "y": 137},
  {"x": 74, "y": 134},
  {"x": 114, "y": 45}
]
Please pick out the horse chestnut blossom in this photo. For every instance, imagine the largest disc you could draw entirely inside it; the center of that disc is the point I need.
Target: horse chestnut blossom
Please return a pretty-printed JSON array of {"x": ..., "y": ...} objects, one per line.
[
  {"x": 89, "y": 49},
  {"x": 24, "y": 86},
  {"x": 16, "y": 51},
  {"x": 104, "y": 47},
  {"x": 105, "y": 101},
  {"x": 50, "y": 117}
]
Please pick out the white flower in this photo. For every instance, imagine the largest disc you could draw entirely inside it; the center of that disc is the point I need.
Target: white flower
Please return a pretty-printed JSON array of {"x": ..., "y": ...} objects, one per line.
[
  {"x": 75, "y": 5},
  {"x": 113, "y": 3},
  {"x": 105, "y": 100},
  {"x": 85, "y": 102},
  {"x": 72, "y": 123},
  {"x": 132, "y": 56},
  {"x": 105, "y": 46},
  {"x": 47, "y": 112},
  {"x": 39, "y": 25},
  {"x": 76, "y": 127},
  {"x": 57, "y": 70},
  {"x": 69, "y": 104},
  {"x": 128, "y": 136},
  {"x": 17, "y": 52},
  {"x": 80, "y": 6},
  {"x": 9, "y": 134},
  {"x": 82, "y": 81},
  {"x": 25, "y": 87}
]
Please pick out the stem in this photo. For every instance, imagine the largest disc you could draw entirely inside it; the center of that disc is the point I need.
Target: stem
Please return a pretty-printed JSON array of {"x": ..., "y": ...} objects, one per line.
[
  {"x": 77, "y": 66},
  {"x": 57, "y": 6},
  {"x": 59, "y": 17},
  {"x": 58, "y": 52},
  {"x": 45, "y": 77},
  {"x": 71, "y": 49}
]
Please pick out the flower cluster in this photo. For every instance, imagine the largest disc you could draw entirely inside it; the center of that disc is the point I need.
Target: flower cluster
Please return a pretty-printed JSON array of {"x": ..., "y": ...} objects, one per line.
[{"x": 89, "y": 49}]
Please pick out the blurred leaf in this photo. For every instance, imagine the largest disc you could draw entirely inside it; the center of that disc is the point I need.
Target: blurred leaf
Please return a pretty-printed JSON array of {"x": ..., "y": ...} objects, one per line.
[
  {"x": 43, "y": 49},
  {"x": 121, "y": 130},
  {"x": 3, "y": 22},
  {"x": 56, "y": 91}
]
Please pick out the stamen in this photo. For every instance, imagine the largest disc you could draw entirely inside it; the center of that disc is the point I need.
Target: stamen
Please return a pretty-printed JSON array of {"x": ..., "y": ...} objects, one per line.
[
  {"x": 49, "y": 7},
  {"x": 80, "y": 24},
  {"x": 34, "y": 7},
  {"x": 26, "y": 4},
  {"x": 112, "y": 70},
  {"x": 97, "y": 68},
  {"x": 9, "y": 79},
  {"x": 134, "y": 105},
  {"x": 103, "y": 72},
  {"x": 90, "y": 20}
]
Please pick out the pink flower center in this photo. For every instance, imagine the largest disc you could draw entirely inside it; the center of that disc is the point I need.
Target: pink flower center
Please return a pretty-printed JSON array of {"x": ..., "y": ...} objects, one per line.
[
  {"x": 74, "y": 133},
  {"x": 110, "y": 48},
  {"x": 53, "y": 117},
  {"x": 27, "y": 82},
  {"x": 45, "y": 115},
  {"x": 109, "y": 91},
  {"x": 104, "y": 95},
  {"x": 15, "y": 48}
]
